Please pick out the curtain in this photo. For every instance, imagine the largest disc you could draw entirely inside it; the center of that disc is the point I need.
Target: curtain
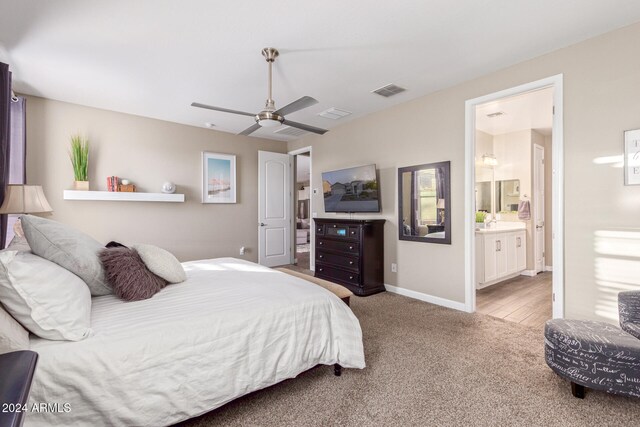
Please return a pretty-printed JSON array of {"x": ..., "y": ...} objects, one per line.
[
  {"x": 440, "y": 193},
  {"x": 440, "y": 184},
  {"x": 17, "y": 153},
  {"x": 5, "y": 103}
]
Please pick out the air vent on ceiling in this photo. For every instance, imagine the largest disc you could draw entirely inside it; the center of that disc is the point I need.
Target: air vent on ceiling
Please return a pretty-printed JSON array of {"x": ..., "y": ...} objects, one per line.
[
  {"x": 334, "y": 113},
  {"x": 496, "y": 114},
  {"x": 389, "y": 90},
  {"x": 290, "y": 131}
]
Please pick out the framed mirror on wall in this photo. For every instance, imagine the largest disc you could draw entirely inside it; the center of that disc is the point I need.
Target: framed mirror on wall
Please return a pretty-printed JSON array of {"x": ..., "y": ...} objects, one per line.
[
  {"x": 424, "y": 203},
  {"x": 507, "y": 194}
]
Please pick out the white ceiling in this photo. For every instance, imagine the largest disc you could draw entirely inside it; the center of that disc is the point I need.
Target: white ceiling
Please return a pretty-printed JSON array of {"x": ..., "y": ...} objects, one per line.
[
  {"x": 533, "y": 110},
  {"x": 154, "y": 57}
]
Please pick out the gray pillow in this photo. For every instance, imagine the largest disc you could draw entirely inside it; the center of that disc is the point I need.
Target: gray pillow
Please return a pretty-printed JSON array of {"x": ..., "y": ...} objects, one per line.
[
  {"x": 69, "y": 248},
  {"x": 161, "y": 263},
  {"x": 130, "y": 279}
]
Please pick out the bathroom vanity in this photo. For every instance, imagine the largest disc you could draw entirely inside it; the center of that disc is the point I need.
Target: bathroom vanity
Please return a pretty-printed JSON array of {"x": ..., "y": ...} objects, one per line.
[{"x": 501, "y": 252}]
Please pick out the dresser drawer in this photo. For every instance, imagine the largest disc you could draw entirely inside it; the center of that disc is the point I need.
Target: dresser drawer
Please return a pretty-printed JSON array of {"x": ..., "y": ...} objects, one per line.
[
  {"x": 346, "y": 261},
  {"x": 354, "y": 233},
  {"x": 334, "y": 245},
  {"x": 323, "y": 270}
]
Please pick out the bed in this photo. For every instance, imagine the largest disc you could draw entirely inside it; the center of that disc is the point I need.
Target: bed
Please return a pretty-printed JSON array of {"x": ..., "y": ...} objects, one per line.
[{"x": 232, "y": 328}]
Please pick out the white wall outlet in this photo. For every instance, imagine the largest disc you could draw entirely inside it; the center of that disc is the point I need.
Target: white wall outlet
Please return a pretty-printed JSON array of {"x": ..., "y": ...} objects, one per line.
[
  {"x": 394, "y": 267},
  {"x": 242, "y": 250}
]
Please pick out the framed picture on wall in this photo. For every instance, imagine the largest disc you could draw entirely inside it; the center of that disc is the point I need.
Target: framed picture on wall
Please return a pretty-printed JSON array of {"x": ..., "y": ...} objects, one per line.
[{"x": 218, "y": 178}]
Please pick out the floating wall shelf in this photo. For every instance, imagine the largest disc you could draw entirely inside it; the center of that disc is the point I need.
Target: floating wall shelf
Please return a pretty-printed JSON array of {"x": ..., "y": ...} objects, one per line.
[{"x": 120, "y": 196}]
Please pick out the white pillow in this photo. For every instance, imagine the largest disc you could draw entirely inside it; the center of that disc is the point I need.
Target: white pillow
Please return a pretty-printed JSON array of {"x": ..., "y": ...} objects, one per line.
[
  {"x": 45, "y": 298},
  {"x": 161, "y": 263},
  {"x": 13, "y": 336}
]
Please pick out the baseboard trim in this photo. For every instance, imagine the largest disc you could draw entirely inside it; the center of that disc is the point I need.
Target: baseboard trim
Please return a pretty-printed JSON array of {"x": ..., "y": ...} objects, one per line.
[
  {"x": 426, "y": 297},
  {"x": 530, "y": 273},
  {"x": 548, "y": 268}
]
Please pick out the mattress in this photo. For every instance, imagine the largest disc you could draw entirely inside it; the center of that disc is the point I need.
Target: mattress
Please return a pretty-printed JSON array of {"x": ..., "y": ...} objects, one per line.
[{"x": 232, "y": 328}]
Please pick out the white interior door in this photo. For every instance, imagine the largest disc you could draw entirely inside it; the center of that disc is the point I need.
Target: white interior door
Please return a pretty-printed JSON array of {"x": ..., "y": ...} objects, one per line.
[
  {"x": 274, "y": 208},
  {"x": 538, "y": 206}
]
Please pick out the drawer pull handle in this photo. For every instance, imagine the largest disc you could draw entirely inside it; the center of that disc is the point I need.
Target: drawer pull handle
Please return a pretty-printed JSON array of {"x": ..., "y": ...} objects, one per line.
[
  {"x": 350, "y": 277},
  {"x": 320, "y": 269},
  {"x": 320, "y": 256},
  {"x": 320, "y": 243},
  {"x": 334, "y": 226},
  {"x": 350, "y": 248},
  {"x": 350, "y": 262},
  {"x": 353, "y": 232}
]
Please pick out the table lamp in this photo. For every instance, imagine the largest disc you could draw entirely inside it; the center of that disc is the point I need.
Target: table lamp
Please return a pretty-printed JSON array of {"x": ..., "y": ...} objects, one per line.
[{"x": 24, "y": 199}]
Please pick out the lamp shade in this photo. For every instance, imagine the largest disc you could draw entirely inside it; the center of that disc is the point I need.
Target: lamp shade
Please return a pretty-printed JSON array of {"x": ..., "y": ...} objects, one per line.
[
  {"x": 440, "y": 204},
  {"x": 21, "y": 199}
]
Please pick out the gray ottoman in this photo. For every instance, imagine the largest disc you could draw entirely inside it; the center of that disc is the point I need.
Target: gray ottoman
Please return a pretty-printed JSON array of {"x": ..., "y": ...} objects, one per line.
[{"x": 595, "y": 355}]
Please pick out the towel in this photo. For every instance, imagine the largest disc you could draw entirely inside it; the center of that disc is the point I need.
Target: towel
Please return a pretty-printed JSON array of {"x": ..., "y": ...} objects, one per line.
[{"x": 524, "y": 209}]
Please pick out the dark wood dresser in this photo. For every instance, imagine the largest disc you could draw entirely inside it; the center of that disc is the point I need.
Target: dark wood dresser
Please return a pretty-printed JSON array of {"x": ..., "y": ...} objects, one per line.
[{"x": 351, "y": 252}]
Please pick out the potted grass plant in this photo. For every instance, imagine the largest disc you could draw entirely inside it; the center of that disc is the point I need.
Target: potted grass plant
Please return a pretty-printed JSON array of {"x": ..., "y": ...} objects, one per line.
[
  {"x": 79, "y": 155},
  {"x": 480, "y": 218}
]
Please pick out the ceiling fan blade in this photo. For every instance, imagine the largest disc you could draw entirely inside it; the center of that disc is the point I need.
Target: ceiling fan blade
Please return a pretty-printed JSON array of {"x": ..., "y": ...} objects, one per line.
[
  {"x": 308, "y": 128},
  {"x": 224, "y": 110},
  {"x": 304, "y": 102},
  {"x": 251, "y": 129}
]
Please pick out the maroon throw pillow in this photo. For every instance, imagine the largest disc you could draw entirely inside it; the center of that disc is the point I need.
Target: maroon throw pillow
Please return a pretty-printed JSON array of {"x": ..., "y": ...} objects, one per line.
[{"x": 130, "y": 279}]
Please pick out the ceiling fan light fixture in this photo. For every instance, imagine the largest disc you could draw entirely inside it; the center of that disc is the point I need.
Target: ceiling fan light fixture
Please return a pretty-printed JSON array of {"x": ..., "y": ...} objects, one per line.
[
  {"x": 269, "y": 123},
  {"x": 268, "y": 119}
]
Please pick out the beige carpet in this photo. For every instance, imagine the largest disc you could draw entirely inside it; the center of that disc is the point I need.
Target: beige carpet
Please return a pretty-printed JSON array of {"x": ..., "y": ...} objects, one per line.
[{"x": 430, "y": 366}]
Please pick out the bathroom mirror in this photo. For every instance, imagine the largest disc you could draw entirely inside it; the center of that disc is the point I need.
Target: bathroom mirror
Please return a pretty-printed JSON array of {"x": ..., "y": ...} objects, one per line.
[
  {"x": 507, "y": 195},
  {"x": 483, "y": 196},
  {"x": 424, "y": 203}
]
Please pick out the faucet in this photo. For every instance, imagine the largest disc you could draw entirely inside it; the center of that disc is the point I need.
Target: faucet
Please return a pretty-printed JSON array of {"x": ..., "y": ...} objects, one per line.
[{"x": 493, "y": 221}]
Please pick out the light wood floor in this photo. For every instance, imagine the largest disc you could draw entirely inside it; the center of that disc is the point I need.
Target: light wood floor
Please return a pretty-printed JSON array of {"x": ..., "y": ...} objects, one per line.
[{"x": 524, "y": 300}]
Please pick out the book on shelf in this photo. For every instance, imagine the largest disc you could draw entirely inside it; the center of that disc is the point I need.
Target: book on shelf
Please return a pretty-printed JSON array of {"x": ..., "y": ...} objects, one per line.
[{"x": 112, "y": 183}]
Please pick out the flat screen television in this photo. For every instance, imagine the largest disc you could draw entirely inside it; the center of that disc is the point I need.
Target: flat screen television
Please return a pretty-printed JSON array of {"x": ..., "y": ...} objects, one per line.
[{"x": 351, "y": 190}]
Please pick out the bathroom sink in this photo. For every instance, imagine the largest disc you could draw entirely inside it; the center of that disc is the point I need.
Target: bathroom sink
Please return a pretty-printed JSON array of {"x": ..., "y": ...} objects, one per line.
[{"x": 499, "y": 226}]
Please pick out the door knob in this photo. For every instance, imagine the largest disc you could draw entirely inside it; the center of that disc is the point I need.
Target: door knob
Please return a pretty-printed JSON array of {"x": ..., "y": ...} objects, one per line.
[{"x": 262, "y": 224}]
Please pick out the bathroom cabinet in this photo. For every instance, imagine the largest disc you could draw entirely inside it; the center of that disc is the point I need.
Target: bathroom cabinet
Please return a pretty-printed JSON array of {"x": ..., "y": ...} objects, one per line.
[{"x": 499, "y": 255}]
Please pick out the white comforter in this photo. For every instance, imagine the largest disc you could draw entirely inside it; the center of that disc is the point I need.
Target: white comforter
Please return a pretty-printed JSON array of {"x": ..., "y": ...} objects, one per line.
[{"x": 233, "y": 327}]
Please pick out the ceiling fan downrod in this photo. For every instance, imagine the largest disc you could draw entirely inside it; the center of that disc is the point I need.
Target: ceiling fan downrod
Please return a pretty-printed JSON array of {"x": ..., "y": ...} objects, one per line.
[{"x": 270, "y": 54}]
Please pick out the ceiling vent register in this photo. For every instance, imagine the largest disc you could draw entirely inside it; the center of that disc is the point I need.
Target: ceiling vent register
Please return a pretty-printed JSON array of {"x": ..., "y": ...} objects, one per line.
[
  {"x": 290, "y": 131},
  {"x": 334, "y": 113},
  {"x": 389, "y": 90}
]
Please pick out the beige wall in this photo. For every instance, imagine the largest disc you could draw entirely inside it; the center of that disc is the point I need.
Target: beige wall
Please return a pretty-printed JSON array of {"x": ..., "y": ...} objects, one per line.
[
  {"x": 601, "y": 93},
  {"x": 148, "y": 152}
]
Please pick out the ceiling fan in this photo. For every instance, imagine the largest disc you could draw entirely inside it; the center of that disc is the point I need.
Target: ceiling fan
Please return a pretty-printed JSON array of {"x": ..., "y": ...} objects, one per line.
[{"x": 269, "y": 116}]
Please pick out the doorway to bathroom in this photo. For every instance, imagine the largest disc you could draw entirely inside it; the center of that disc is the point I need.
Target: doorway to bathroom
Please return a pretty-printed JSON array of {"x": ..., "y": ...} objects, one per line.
[
  {"x": 513, "y": 206},
  {"x": 302, "y": 207}
]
